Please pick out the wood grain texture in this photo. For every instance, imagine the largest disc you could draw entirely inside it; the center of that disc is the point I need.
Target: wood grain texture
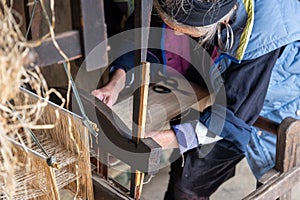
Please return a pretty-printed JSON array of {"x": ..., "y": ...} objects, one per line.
[
  {"x": 276, "y": 188},
  {"x": 163, "y": 107},
  {"x": 69, "y": 42},
  {"x": 279, "y": 182},
  {"x": 94, "y": 34},
  {"x": 287, "y": 154}
]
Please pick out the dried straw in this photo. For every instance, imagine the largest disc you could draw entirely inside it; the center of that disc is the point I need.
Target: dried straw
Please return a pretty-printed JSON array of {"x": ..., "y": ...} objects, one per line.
[
  {"x": 14, "y": 74},
  {"x": 22, "y": 175}
]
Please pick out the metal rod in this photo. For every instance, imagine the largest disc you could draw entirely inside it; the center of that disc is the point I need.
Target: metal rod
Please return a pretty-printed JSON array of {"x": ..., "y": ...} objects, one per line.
[
  {"x": 28, "y": 130},
  {"x": 27, "y": 149},
  {"x": 75, "y": 91},
  {"x": 51, "y": 160}
]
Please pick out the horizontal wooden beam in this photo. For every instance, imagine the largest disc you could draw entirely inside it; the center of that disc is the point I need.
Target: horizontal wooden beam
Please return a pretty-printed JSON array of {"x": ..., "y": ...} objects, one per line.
[
  {"x": 267, "y": 125},
  {"x": 268, "y": 177},
  {"x": 69, "y": 42},
  {"x": 278, "y": 187}
]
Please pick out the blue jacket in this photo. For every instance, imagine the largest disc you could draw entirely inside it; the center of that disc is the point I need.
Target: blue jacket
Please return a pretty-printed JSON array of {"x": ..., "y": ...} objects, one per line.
[
  {"x": 275, "y": 24},
  {"x": 282, "y": 100}
]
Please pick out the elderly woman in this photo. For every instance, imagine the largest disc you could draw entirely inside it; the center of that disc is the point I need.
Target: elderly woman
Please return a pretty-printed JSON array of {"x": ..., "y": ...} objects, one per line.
[{"x": 249, "y": 42}]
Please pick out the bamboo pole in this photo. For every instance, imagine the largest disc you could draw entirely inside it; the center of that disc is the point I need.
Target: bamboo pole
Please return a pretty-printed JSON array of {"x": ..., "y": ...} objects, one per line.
[{"x": 144, "y": 89}]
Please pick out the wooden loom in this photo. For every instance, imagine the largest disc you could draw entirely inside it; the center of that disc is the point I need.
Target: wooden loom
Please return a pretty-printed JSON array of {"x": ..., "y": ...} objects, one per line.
[
  {"x": 76, "y": 45},
  {"x": 67, "y": 142}
]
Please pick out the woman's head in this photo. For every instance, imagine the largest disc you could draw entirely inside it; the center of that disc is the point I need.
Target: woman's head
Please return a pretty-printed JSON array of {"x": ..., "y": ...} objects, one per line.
[{"x": 198, "y": 18}]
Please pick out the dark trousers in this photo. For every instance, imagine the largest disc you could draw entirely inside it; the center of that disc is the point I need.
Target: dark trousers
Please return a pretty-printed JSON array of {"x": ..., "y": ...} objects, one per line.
[
  {"x": 201, "y": 176},
  {"x": 246, "y": 85}
]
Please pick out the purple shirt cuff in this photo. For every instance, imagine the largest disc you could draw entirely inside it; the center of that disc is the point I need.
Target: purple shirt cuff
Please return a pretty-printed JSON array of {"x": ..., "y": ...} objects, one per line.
[{"x": 186, "y": 137}]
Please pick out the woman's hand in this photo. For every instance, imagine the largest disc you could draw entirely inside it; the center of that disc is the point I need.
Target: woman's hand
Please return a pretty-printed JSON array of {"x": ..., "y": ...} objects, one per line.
[
  {"x": 166, "y": 138},
  {"x": 107, "y": 94},
  {"x": 110, "y": 92}
]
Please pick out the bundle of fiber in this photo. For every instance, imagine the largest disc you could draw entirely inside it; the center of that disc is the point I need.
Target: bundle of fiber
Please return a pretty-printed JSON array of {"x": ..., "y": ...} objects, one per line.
[
  {"x": 14, "y": 74},
  {"x": 24, "y": 172},
  {"x": 68, "y": 141}
]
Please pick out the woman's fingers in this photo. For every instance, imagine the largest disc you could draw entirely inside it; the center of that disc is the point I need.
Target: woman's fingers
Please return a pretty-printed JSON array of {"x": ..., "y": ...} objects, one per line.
[
  {"x": 99, "y": 94},
  {"x": 107, "y": 101},
  {"x": 105, "y": 97}
]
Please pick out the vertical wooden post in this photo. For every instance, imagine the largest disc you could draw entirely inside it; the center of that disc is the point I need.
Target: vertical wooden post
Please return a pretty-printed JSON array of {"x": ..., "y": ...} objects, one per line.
[
  {"x": 94, "y": 33},
  {"x": 287, "y": 149},
  {"x": 279, "y": 182},
  {"x": 142, "y": 93},
  {"x": 136, "y": 177},
  {"x": 142, "y": 106}
]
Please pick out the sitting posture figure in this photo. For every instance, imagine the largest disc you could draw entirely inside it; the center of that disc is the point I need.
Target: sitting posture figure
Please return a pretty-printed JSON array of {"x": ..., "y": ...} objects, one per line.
[{"x": 250, "y": 42}]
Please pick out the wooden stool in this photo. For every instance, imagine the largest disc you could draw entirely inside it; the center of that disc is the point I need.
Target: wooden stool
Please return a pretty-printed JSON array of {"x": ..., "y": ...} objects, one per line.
[{"x": 278, "y": 182}]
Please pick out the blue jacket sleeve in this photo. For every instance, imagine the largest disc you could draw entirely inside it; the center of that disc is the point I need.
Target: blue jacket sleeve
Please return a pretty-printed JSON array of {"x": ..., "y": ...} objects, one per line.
[{"x": 221, "y": 122}]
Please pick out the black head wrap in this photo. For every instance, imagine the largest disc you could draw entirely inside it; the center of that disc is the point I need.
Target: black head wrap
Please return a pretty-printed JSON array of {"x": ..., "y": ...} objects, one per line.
[{"x": 198, "y": 13}]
